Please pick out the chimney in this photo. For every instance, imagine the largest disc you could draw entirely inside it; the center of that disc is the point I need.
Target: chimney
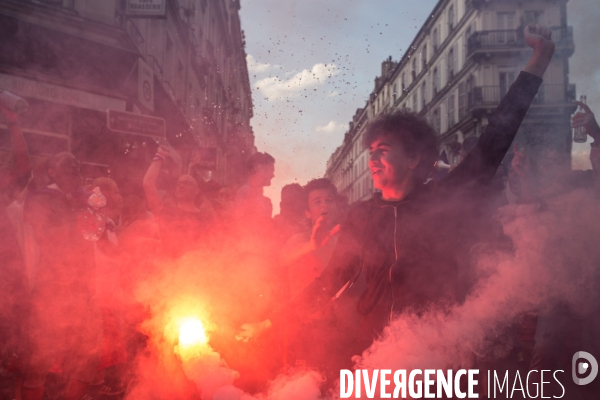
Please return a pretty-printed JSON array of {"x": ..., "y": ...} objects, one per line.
[{"x": 387, "y": 66}]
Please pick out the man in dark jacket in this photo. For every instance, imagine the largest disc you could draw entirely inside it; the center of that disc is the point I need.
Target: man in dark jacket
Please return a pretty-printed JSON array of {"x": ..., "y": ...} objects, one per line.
[{"x": 401, "y": 241}]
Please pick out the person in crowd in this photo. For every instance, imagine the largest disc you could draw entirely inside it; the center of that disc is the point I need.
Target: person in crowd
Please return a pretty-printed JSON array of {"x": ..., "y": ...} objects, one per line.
[
  {"x": 319, "y": 341},
  {"x": 559, "y": 330},
  {"x": 253, "y": 240},
  {"x": 587, "y": 120},
  {"x": 223, "y": 205},
  {"x": 306, "y": 254},
  {"x": 534, "y": 181},
  {"x": 64, "y": 322},
  {"x": 181, "y": 226},
  {"x": 291, "y": 219},
  {"x": 207, "y": 186},
  {"x": 13, "y": 278},
  {"x": 402, "y": 239},
  {"x": 114, "y": 200},
  {"x": 110, "y": 265},
  {"x": 250, "y": 204},
  {"x": 139, "y": 236}
]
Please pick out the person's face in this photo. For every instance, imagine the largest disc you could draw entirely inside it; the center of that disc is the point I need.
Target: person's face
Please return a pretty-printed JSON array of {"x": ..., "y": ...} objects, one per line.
[
  {"x": 264, "y": 174},
  {"x": 390, "y": 164},
  {"x": 66, "y": 173},
  {"x": 322, "y": 203},
  {"x": 186, "y": 189}
]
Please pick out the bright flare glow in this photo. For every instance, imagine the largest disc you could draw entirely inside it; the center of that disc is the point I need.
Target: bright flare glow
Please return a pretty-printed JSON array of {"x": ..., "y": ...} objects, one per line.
[{"x": 191, "y": 333}]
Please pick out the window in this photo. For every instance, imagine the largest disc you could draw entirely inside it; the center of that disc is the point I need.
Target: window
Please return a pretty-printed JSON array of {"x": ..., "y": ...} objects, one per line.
[
  {"x": 505, "y": 23},
  {"x": 534, "y": 17},
  {"x": 415, "y": 102},
  {"x": 424, "y": 93},
  {"x": 424, "y": 57},
  {"x": 451, "y": 18},
  {"x": 466, "y": 44},
  {"x": 394, "y": 94},
  {"x": 402, "y": 82},
  {"x": 436, "y": 39},
  {"x": 451, "y": 110},
  {"x": 505, "y": 20},
  {"x": 436, "y": 119},
  {"x": 436, "y": 81},
  {"x": 505, "y": 78},
  {"x": 450, "y": 64},
  {"x": 462, "y": 97},
  {"x": 414, "y": 67}
]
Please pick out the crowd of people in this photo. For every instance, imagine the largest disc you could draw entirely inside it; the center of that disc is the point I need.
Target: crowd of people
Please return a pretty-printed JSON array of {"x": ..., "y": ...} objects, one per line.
[{"x": 338, "y": 273}]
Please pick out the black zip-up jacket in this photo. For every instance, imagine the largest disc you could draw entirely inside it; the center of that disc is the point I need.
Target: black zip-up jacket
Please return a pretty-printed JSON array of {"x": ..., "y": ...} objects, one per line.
[{"x": 406, "y": 249}]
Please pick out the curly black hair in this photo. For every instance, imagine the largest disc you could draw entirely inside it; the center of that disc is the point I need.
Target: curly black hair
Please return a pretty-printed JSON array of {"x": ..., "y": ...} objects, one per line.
[
  {"x": 319, "y": 184},
  {"x": 257, "y": 159},
  {"x": 413, "y": 131}
]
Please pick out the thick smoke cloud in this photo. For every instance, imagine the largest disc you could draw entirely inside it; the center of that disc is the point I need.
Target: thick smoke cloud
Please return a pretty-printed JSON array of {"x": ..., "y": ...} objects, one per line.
[
  {"x": 554, "y": 261},
  {"x": 212, "y": 285}
]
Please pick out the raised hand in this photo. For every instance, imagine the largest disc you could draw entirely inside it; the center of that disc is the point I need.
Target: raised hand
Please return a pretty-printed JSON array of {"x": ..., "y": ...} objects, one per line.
[
  {"x": 587, "y": 120},
  {"x": 322, "y": 232},
  {"x": 539, "y": 38}
]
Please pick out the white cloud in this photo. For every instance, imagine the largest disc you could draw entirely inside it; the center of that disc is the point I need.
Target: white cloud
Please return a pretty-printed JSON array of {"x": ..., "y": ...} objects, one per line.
[
  {"x": 274, "y": 88},
  {"x": 332, "y": 127},
  {"x": 256, "y": 67}
]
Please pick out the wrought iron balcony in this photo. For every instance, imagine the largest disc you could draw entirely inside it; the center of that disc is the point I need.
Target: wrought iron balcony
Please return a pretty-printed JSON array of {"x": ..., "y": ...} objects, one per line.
[
  {"x": 490, "y": 96},
  {"x": 512, "y": 39}
]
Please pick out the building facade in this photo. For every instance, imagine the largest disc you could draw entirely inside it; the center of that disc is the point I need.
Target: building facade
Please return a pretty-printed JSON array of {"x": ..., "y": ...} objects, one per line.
[
  {"x": 459, "y": 66},
  {"x": 182, "y": 61}
]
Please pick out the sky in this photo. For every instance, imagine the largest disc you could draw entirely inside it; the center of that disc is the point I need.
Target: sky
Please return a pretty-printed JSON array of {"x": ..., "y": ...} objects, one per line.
[{"x": 312, "y": 63}]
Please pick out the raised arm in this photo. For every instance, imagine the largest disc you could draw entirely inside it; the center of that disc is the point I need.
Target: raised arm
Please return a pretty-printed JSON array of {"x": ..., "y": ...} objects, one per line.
[
  {"x": 343, "y": 266},
  {"x": 295, "y": 249},
  {"x": 481, "y": 163},
  {"x": 539, "y": 38},
  {"x": 149, "y": 182}
]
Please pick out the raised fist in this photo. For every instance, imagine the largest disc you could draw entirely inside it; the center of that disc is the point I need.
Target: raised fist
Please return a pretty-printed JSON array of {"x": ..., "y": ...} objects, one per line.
[{"x": 539, "y": 38}]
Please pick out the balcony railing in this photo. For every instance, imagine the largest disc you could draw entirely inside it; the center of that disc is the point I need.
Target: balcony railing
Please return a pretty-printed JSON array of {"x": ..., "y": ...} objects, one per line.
[
  {"x": 490, "y": 96},
  {"x": 513, "y": 38}
]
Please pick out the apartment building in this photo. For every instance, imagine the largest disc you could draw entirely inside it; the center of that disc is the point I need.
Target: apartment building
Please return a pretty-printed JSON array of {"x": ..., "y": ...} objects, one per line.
[
  {"x": 457, "y": 69},
  {"x": 179, "y": 66}
]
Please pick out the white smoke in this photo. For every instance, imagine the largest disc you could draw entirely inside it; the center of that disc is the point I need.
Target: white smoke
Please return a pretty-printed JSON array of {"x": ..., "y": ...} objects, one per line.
[{"x": 555, "y": 260}]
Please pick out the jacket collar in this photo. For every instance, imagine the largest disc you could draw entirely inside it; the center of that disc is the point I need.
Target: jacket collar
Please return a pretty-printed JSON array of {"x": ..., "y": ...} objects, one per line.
[{"x": 414, "y": 195}]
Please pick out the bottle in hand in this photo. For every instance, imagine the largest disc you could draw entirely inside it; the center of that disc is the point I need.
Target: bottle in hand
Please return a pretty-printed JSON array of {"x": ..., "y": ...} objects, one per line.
[{"x": 579, "y": 133}]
